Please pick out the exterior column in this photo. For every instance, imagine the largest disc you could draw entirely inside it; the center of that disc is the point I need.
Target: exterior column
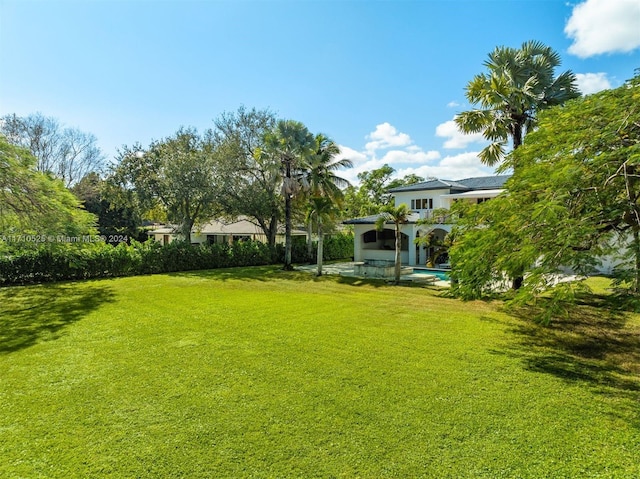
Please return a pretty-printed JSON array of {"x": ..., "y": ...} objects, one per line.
[
  {"x": 357, "y": 242},
  {"x": 412, "y": 247},
  {"x": 423, "y": 256}
]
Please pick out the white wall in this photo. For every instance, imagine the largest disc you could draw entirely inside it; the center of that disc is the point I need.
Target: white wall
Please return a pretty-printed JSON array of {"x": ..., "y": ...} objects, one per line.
[{"x": 438, "y": 201}]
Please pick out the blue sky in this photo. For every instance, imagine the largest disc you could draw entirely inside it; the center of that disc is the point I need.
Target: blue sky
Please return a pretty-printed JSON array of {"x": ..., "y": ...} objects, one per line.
[{"x": 384, "y": 79}]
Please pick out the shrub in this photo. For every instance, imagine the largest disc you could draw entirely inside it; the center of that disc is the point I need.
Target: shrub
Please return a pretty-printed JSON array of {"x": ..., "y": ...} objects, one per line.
[{"x": 99, "y": 260}]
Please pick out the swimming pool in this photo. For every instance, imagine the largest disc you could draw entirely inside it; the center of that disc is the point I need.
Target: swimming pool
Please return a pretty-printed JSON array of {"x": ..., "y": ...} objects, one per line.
[{"x": 442, "y": 275}]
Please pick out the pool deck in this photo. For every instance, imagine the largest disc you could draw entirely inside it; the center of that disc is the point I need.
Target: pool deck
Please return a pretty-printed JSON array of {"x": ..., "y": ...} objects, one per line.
[{"x": 347, "y": 269}]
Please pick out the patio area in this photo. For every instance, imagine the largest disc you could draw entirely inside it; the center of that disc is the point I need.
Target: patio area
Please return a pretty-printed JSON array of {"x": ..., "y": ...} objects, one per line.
[{"x": 348, "y": 269}]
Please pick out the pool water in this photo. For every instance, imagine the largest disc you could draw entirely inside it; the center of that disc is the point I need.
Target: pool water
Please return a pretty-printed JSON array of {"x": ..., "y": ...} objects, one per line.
[{"x": 442, "y": 275}]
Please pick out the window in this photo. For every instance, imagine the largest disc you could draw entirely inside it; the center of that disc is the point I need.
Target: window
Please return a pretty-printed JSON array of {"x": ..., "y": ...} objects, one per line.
[
  {"x": 422, "y": 204},
  {"x": 369, "y": 236}
]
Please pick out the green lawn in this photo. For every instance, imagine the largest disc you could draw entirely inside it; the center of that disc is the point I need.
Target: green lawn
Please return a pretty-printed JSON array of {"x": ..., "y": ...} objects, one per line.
[{"x": 260, "y": 373}]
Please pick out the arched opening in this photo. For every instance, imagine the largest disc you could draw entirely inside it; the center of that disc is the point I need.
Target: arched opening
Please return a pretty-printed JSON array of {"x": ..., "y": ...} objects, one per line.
[
  {"x": 436, "y": 251},
  {"x": 384, "y": 240}
]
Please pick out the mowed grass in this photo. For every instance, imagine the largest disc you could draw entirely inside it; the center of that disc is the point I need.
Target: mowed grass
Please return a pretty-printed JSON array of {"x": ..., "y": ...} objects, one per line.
[{"x": 260, "y": 373}]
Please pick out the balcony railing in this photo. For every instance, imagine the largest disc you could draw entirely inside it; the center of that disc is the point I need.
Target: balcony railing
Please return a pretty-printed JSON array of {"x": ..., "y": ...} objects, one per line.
[{"x": 436, "y": 216}]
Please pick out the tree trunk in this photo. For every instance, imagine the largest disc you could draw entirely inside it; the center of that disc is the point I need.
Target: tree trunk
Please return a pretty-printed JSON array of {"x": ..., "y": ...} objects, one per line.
[
  {"x": 398, "y": 249},
  {"x": 287, "y": 217},
  {"x": 186, "y": 227},
  {"x": 517, "y": 281},
  {"x": 310, "y": 241},
  {"x": 320, "y": 247},
  {"x": 636, "y": 277},
  {"x": 273, "y": 231}
]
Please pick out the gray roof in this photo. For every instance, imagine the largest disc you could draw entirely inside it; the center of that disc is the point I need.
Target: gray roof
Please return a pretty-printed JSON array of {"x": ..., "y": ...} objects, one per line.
[
  {"x": 240, "y": 226},
  {"x": 370, "y": 220},
  {"x": 365, "y": 220},
  {"x": 477, "y": 183},
  {"x": 485, "y": 182}
]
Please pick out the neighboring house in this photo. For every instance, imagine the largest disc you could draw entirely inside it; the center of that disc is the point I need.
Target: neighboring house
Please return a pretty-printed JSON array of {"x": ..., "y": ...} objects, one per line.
[
  {"x": 220, "y": 231},
  {"x": 422, "y": 199}
]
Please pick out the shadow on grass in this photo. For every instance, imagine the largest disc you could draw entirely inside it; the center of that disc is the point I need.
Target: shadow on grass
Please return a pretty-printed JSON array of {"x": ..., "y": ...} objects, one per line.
[
  {"x": 274, "y": 273},
  {"x": 596, "y": 343},
  {"x": 248, "y": 273},
  {"x": 32, "y": 314}
]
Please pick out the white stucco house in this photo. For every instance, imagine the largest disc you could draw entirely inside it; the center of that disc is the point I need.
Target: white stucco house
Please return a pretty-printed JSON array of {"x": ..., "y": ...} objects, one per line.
[
  {"x": 422, "y": 199},
  {"x": 220, "y": 231}
]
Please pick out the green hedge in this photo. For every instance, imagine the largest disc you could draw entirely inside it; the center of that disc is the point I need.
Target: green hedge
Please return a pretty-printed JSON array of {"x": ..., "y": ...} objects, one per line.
[
  {"x": 104, "y": 261},
  {"x": 98, "y": 260},
  {"x": 334, "y": 247}
]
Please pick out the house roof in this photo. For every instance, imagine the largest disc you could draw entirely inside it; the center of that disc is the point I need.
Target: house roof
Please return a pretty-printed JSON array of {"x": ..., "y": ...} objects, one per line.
[
  {"x": 430, "y": 185},
  {"x": 476, "y": 183},
  {"x": 475, "y": 194},
  {"x": 370, "y": 220},
  {"x": 365, "y": 220},
  {"x": 221, "y": 227}
]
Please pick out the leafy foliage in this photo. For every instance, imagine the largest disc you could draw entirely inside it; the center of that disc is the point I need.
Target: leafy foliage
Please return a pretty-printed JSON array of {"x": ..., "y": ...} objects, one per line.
[
  {"x": 34, "y": 203},
  {"x": 177, "y": 173},
  {"x": 100, "y": 260},
  {"x": 519, "y": 83},
  {"x": 290, "y": 143},
  {"x": 66, "y": 153},
  {"x": 398, "y": 215},
  {"x": 248, "y": 181},
  {"x": 574, "y": 198},
  {"x": 115, "y": 217}
]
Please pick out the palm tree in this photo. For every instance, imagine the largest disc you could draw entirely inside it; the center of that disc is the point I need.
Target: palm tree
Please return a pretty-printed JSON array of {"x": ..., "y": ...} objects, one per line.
[
  {"x": 519, "y": 83},
  {"x": 321, "y": 207},
  {"x": 292, "y": 143},
  {"x": 320, "y": 180},
  {"x": 398, "y": 215}
]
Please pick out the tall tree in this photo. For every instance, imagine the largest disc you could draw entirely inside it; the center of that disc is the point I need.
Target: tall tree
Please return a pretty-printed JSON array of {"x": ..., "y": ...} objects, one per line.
[
  {"x": 34, "y": 203},
  {"x": 177, "y": 172},
  {"x": 371, "y": 195},
  {"x": 292, "y": 144},
  {"x": 249, "y": 179},
  {"x": 519, "y": 83},
  {"x": 574, "y": 198},
  {"x": 115, "y": 217},
  {"x": 321, "y": 208},
  {"x": 320, "y": 179},
  {"x": 398, "y": 215},
  {"x": 67, "y": 153}
]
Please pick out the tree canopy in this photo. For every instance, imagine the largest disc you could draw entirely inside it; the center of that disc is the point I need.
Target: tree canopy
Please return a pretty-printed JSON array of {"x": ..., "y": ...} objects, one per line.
[
  {"x": 33, "y": 203},
  {"x": 292, "y": 144},
  {"x": 248, "y": 180},
  {"x": 67, "y": 153},
  {"x": 398, "y": 215},
  {"x": 368, "y": 198},
  {"x": 177, "y": 173},
  {"x": 518, "y": 84},
  {"x": 574, "y": 198}
]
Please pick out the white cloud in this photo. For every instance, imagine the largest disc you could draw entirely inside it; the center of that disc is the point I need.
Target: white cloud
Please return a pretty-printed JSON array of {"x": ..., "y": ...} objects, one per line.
[
  {"x": 406, "y": 158},
  {"x": 403, "y": 156},
  {"x": 386, "y": 136},
  {"x": 453, "y": 104},
  {"x": 592, "y": 82},
  {"x": 604, "y": 26},
  {"x": 457, "y": 167},
  {"x": 456, "y": 139}
]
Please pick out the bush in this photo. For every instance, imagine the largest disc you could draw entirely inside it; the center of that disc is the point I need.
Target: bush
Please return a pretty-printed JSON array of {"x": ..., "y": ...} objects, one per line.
[
  {"x": 339, "y": 246},
  {"x": 99, "y": 260},
  {"x": 335, "y": 247}
]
